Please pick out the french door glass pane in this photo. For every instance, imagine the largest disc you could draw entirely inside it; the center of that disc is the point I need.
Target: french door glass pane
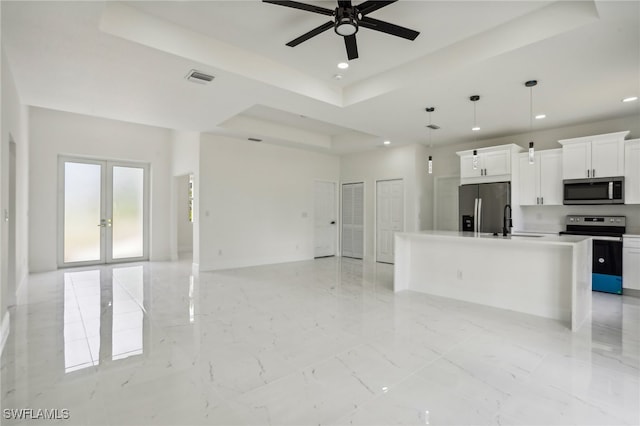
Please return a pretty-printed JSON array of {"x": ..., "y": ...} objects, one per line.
[
  {"x": 128, "y": 201},
  {"x": 82, "y": 189}
]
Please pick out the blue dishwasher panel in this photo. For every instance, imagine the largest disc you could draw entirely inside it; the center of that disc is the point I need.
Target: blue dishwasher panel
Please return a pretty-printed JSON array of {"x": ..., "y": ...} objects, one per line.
[{"x": 606, "y": 283}]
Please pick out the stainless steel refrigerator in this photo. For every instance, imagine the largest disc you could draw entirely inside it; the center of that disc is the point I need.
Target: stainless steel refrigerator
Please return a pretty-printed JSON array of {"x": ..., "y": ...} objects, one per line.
[{"x": 481, "y": 206}]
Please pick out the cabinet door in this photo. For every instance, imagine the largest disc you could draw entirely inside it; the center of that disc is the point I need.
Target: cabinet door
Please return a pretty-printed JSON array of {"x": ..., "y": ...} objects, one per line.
[
  {"x": 528, "y": 181},
  {"x": 550, "y": 174},
  {"x": 607, "y": 158},
  {"x": 466, "y": 167},
  {"x": 576, "y": 160},
  {"x": 631, "y": 268},
  {"x": 632, "y": 172},
  {"x": 496, "y": 162}
]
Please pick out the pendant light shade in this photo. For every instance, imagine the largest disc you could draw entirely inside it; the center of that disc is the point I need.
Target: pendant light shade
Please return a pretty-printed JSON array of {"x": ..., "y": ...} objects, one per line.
[
  {"x": 474, "y": 99},
  {"x": 431, "y": 127},
  {"x": 530, "y": 84}
]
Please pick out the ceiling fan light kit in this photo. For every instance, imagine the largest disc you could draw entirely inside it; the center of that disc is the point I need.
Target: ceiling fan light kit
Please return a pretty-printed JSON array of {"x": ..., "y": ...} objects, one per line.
[{"x": 347, "y": 20}]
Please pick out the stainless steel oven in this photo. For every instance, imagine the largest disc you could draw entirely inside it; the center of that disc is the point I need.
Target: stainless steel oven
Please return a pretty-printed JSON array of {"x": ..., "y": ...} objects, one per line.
[
  {"x": 594, "y": 191},
  {"x": 606, "y": 266}
]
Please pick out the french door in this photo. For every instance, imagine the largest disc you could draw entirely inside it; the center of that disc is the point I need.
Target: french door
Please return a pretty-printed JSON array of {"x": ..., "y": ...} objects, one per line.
[{"x": 103, "y": 211}]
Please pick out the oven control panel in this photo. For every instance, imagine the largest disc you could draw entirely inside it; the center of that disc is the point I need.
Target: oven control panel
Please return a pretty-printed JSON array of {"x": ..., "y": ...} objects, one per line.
[{"x": 596, "y": 220}]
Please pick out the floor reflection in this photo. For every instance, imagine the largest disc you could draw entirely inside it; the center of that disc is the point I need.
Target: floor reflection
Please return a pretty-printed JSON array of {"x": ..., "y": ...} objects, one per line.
[{"x": 103, "y": 316}]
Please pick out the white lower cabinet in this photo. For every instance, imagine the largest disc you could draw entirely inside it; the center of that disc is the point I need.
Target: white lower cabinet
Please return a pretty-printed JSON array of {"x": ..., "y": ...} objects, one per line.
[
  {"x": 631, "y": 262},
  {"x": 541, "y": 182}
]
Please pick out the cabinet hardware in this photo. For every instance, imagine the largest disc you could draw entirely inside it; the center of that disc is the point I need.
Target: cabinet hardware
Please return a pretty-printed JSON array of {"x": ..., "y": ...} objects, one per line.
[
  {"x": 541, "y": 200},
  {"x": 588, "y": 173}
]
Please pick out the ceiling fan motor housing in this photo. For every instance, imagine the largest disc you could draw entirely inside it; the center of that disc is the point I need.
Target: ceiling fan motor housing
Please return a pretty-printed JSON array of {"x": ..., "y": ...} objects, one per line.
[{"x": 346, "y": 21}]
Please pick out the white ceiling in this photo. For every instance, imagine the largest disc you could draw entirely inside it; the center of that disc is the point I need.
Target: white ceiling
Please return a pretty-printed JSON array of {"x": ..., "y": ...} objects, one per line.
[{"x": 128, "y": 60}]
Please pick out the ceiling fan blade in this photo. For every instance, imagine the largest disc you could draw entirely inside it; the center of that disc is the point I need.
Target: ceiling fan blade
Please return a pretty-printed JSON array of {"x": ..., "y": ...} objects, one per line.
[
  {"x": 385, "y": 27},
  {"x": 301, "y": 6},
  {"x": 371, "y": 5},
  {"x": 352, "y": 46},
  {"x": 314, "y": 32},
  {"x": 344, "y": 3}
]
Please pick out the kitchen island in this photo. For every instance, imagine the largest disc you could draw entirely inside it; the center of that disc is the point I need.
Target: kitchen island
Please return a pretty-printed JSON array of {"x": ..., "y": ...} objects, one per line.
[{"x": 547, "y": 276}]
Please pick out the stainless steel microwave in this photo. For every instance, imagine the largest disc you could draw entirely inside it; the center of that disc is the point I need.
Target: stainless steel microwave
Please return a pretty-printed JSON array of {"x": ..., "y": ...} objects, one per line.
[{"x": 594, "y": 191}]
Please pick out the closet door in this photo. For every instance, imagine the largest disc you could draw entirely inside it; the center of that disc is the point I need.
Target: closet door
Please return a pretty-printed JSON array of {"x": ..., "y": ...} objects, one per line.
[
  {"x": 353, "y": 220},
  {"x": 389, "y": 217}
]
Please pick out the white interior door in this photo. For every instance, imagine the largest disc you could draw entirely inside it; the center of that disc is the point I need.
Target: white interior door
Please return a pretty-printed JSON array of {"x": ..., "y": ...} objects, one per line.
[
  {"x": 103, "y": 212},
  {"x": 325, "y": 219},
  {"x": 389, "y": 217},
  {"x": 353, "y": 220}
]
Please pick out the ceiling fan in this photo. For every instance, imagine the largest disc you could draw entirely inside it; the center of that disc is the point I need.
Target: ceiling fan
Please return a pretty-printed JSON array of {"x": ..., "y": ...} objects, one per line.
[{"x": 347, "y": 19}]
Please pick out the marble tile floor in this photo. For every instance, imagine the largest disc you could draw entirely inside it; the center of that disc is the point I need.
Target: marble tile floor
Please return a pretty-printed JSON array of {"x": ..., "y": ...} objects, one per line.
[{"x": 305, "y": 343}]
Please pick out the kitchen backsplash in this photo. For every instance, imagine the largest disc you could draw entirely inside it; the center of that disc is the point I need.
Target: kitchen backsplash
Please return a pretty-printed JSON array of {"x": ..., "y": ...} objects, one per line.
[{"x": 551, "y": 218}]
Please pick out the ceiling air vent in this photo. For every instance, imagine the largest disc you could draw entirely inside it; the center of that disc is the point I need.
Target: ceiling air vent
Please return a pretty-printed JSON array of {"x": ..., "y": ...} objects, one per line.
[
  {"x": 433, "y": 126},
  {"x": 199, "y": 77}
]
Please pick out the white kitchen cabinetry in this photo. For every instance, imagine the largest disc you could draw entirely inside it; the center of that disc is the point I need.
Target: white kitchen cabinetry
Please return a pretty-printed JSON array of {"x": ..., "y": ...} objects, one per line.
[
  {"x": 631, "y": 262},
  {"x": 593, "y": 156},
  {"x": 632, "y": 171},
  {"x": 541, "y": 182},
  {"x": 494, "y": 164}
]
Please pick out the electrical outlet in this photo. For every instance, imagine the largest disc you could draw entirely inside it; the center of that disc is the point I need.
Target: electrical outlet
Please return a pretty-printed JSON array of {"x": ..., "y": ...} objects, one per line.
[
  {"x": 459, "y": 274},
  {"x": 220, "y": 252}
]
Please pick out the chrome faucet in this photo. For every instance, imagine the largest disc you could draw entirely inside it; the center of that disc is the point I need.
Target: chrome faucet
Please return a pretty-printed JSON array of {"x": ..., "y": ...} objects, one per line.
[{"x": 507, "y": 223}]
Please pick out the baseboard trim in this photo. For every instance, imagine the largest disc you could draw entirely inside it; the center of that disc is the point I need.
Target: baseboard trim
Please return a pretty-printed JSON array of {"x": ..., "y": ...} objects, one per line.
[
  {"x": 631, "y": 292},
  {"x": 5, "y": 330}
]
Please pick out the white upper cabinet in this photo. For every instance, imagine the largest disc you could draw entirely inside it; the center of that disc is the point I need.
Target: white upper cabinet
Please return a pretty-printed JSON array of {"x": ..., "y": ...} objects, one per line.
[
  {"x": 541, "y": 182},
  {"x": 593, "y": 156},
  {"x": 632, "y": 171},
  {"x": 493, "y": 165}
]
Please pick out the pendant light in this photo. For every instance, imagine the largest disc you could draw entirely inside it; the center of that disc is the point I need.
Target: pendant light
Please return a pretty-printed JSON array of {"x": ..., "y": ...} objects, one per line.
[
  {"x": 431, "y": 127},
  {"x": 474, "y": 99},
  {"x": 475, "y": 128},
  {"x": 530, "y": 84}
]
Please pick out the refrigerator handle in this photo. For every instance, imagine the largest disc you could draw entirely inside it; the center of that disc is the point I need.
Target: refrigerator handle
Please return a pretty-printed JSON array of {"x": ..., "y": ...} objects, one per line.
[
  {"x": 475, "y": 216},
  {"x": 479, "y": 214}
]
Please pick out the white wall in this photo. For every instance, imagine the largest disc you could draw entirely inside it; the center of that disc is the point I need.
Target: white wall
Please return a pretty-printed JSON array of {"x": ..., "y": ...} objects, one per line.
[
  {"x": 14, "y": 127},
  {"x": 55, "y": 133},
  {"x": 382, "y": 164},
  {"x": 544, "y": 218},
  {"x": 256, "y": 201},
  {"x": 185, "y": 160}
]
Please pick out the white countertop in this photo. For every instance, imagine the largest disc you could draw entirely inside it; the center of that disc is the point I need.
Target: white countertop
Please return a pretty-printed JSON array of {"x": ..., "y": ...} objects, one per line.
[{"x": 517, "y": 237}]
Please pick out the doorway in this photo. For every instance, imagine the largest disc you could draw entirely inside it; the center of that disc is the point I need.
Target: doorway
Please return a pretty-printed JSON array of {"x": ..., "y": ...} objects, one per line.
[
  {"x": 324, "y": 219},
  {"x": 389, "y": 217},
  {"x": 353, "y": 220},
  {"x": 445, "y": 206},
  {"x": 103, "y": 211},
  {"x": 12, "y": 218},
  {"x": 184, "y": 216}
]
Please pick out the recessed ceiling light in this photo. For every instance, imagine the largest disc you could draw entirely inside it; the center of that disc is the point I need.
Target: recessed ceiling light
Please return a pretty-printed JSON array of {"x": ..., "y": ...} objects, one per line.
[
  {"x": 541, "y": 116},
  {"x": 630, "y": 99},
  {"x": 343, "y": 65},
  {"x": 475, "y": 129},
  {"x": 386, "y": 142},
  {"x": 337, "y": 76}
]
